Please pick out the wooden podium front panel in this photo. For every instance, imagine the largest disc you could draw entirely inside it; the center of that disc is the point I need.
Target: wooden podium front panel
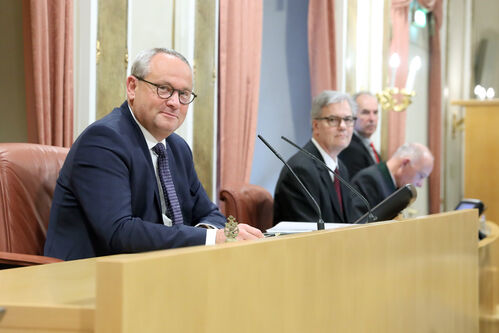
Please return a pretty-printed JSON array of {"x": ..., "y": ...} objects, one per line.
[
  {"x": 418, "y": 275},
  {"x": 49, "y": 298},
  {"x": 481, "y": 156}
]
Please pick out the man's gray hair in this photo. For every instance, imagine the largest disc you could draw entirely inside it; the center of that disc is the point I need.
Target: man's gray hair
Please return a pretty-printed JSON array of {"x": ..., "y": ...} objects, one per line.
[
  {"x": 414, "y": 151},
  {"x": 330, "y": 97},
  {"x": 140, "y": 66},
  {"x": 362, "y": 93}
]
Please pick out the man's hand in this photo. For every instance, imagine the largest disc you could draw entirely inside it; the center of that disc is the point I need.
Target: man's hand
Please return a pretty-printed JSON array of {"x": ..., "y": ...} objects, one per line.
[{"x": 246, "y": 232}]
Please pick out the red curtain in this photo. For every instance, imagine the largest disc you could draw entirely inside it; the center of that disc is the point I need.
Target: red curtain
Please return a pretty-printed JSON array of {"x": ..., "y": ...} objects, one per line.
[
  {"x": 435, "y": 101},
  {"x": 321, "y": 46},
  {"x": 48, "y": 63},
  {"x": 239, "y": 65}
]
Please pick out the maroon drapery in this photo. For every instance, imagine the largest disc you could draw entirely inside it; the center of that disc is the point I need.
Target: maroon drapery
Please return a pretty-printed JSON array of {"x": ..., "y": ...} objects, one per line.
[
  {"x": 399, "y": 44},
  {"x": 321, "y": 46},
  {"x": 435, "y": 101},
  {"x": 48, "y": 62},
  {"x": 241, "y": 24}
]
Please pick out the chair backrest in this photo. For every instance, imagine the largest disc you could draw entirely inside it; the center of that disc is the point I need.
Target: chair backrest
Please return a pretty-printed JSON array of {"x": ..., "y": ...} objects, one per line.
[
  {"x": 250, "y": 204},
  {"x": 28, "y": 174}
]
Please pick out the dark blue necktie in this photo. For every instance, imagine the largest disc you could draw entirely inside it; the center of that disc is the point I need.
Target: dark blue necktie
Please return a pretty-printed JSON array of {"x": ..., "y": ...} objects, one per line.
[{"x": 165, "y": 177}]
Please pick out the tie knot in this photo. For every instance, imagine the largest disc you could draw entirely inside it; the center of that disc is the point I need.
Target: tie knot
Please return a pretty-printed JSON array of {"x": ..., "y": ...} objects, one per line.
[{"x": 159, "y": 149}]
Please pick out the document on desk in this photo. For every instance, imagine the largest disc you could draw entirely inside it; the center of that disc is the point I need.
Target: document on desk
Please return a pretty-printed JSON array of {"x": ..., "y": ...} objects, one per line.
[{"x": 286, "y": 227}]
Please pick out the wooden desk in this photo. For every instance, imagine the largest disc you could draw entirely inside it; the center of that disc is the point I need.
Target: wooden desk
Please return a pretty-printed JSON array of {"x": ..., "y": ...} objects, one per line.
[
  {"x": 418, "y": 275},
  {"x": 488, "y": 254}
]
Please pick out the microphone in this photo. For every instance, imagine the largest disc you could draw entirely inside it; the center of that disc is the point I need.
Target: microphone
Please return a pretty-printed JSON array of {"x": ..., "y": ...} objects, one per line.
[
  {"x": 389, "y": 208},
  {"x": 370, "y": 216},
  {"x": 320, "y": 223}
]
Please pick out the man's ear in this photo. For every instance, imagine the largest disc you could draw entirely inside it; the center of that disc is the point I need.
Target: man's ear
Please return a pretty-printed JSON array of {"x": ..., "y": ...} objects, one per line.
[
  {"x": 315, "y": 123},
  {"x": 131, "y": 85},
  {"x": 405, "y": 162}
]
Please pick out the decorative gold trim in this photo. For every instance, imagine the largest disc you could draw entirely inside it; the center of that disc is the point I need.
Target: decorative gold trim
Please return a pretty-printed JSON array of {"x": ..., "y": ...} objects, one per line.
[
  {"x": 457, "y": 125},
  {"x": 97, "y": 52}
]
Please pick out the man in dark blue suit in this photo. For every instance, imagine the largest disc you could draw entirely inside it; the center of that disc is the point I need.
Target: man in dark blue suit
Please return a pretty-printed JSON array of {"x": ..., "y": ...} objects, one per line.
[{"x": 113, "y": 195}]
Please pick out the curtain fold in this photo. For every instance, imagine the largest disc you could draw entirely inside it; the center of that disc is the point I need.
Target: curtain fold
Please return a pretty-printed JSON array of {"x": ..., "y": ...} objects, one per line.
[
  {"x": 399, "y": 44},
  {"x": 435, "y": 101},
  {"x": 239, "y": 82},
  {"x": 48, "y": 58},
  {"x": 321, "y": 46}
]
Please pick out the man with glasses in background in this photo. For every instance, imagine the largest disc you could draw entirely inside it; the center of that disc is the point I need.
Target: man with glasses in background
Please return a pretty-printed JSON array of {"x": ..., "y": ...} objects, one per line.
[
  {"x": 361, "y": 152},
  {"x": 333, "y": 117},
  {"x": 128, "y": 183}
]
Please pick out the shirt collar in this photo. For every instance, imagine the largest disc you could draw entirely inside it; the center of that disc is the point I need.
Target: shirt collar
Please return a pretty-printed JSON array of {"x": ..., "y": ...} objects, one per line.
[
  {"x": 365, "y": 141},
  {"x": 150, "y": 139},
  {"x": 330, "y": 162}
]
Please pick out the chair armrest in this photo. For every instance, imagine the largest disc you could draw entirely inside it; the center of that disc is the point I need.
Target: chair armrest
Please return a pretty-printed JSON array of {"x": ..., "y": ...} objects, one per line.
[
  {"x": 230, "y": 198},
  {"x": 248, "y": 203},
  {"x": 19, "y": 259}
]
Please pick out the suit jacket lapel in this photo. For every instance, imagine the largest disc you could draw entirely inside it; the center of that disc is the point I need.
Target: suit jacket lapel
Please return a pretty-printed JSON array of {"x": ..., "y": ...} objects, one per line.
[
  {"x": 326, "y": 181},
  {"x": 366, "y": 151},
  {"x": 145, "y": 151}
]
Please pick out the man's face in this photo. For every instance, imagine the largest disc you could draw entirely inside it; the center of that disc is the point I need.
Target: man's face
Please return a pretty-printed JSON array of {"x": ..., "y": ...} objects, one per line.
[
  {"x": 415, "y": 172},
  {"x": 333, "y": 138},
  {"x": 367, "y": 115},
  {"x": 161, "y": 117}
]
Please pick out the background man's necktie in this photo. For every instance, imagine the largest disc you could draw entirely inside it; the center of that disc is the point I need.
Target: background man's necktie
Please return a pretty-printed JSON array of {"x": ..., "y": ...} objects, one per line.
[
  {"x": 165, "y": 177},
  {"x": 337, "y": 187},
  {"x": 375, "y": 153}
]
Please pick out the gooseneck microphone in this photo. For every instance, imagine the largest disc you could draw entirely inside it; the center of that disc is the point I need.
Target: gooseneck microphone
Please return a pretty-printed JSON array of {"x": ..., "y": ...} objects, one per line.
[
  {"x": 320, "y": 223},
  {"x": 370, "y": 217}
]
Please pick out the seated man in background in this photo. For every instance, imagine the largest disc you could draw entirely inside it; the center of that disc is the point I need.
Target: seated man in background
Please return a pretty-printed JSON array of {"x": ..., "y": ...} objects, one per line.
[
  {"x": 361, "y": 153},
  {"x": 128, "y": 183},
  {"x": 411, "y": 164},
  {"x": 332, "y": 116}
]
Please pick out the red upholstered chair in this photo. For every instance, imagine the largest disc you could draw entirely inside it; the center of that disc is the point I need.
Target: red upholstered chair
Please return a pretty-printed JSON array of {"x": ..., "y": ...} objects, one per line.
[
  {"x": 250, "y": 204},
  {"x": 28, "y": 174}
]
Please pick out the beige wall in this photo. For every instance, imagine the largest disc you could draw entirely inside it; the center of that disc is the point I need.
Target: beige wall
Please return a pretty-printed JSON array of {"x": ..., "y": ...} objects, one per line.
[
  {"x": 12, "y": 90},
  {"x": 485, "y": 30}
]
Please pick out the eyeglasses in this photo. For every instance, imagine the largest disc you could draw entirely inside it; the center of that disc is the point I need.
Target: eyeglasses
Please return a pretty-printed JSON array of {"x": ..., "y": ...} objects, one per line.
[
  {"x": 166, "y": 91},
  {"x": 336, "y": 121}
]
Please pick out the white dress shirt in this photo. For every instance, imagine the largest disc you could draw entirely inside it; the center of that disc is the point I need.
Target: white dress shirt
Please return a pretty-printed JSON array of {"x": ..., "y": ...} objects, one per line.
[{"x": 330, "y": 162}]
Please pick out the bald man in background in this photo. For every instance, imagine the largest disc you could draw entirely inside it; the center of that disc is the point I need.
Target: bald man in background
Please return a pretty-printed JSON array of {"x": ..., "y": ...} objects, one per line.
[{"x": 411, "y": 164}]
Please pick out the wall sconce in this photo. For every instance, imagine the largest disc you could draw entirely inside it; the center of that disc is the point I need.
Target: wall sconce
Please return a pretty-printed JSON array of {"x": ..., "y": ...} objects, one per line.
[{"x": 393, "y": 98}]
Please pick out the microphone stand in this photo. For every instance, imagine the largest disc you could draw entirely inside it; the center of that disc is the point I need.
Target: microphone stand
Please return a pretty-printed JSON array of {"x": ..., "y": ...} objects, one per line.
[{"x": 320, "y": 223}]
